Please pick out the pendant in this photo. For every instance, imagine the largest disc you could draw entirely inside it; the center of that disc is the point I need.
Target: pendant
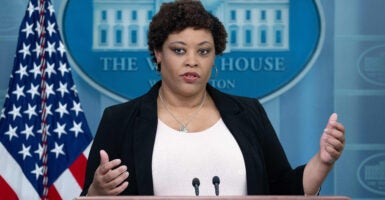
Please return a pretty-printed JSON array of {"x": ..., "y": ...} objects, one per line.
[{"x": 183, "y": 129}]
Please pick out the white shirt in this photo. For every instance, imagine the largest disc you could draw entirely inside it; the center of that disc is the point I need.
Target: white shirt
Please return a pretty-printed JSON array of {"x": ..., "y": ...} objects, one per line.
[{"x": 179, "y": 157}]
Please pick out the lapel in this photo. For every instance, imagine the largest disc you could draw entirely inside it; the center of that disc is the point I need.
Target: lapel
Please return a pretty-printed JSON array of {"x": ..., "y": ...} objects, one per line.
[
  {"x": 232, "y": 113},
  {"x": 238, "y": 121},
  {"x": 145, "y": 126}
]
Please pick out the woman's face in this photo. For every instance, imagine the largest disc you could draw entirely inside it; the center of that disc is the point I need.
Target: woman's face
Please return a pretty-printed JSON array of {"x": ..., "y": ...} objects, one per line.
[{"x": 187, "y": 58}]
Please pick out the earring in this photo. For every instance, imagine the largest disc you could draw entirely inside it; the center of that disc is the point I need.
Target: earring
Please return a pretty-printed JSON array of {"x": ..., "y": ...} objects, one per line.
[
  {"x": 216, "y": 72},
  {"x": 157, "y": 68}
]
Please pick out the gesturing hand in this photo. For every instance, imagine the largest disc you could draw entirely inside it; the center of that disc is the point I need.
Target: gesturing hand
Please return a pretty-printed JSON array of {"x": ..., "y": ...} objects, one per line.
[
  {"x": 109, "y": 177},
  {"x": 332, "y": 140}
]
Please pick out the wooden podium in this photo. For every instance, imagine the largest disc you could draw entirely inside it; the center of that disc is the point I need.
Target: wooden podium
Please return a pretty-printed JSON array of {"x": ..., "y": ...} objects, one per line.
[{"x": 214, "y": 198}]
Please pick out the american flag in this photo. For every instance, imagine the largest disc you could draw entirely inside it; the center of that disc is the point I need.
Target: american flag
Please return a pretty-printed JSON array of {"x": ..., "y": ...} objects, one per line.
[{"x": 43, "y": 131}]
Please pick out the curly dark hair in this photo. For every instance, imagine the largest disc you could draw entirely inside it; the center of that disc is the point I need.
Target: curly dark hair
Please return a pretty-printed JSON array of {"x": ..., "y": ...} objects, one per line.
[{"x": 179, "y": 15}]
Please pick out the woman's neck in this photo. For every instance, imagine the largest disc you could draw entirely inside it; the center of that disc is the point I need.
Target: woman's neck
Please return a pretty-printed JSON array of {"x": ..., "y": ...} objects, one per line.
[{"x": 174, "y": 99}]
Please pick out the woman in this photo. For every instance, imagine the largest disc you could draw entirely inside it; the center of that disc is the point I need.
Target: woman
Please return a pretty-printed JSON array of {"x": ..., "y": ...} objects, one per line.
[{"x": 183, "y": 128}]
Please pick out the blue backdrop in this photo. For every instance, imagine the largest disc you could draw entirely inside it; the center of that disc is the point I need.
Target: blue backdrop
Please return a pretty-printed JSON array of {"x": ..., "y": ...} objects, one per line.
[{"x": 348, "y": 77}]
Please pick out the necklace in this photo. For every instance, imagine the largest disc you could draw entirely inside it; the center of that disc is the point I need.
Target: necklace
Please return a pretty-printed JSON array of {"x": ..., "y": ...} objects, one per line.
[{"x": 183, "y": 126}]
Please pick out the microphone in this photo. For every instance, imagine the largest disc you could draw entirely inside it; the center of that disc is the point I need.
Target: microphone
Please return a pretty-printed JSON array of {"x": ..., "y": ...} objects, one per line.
[
  {"x": 216, "y": 182},
  {"x": 196, "y": 183}
]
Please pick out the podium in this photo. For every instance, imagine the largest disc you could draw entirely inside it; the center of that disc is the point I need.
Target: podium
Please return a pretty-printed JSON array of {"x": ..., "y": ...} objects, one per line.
[{"x": 214, "y": 198}]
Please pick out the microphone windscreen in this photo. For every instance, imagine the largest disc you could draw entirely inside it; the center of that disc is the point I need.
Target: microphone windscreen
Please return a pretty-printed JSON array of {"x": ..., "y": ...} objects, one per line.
[
  {"x": 216, "y": 180},
  {"x": 195, "y": 182}
]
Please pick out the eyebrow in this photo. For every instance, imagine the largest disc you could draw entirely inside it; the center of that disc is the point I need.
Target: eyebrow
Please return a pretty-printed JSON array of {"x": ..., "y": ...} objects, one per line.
[{"x": 183, "y": 43}]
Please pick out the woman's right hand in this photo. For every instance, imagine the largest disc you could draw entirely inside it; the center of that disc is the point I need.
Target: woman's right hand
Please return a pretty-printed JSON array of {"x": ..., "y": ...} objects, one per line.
[{"x": 109, "y": 177}]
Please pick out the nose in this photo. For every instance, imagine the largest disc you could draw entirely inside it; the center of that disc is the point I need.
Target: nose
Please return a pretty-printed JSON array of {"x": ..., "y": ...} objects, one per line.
[{"x": 191, "y": 60}]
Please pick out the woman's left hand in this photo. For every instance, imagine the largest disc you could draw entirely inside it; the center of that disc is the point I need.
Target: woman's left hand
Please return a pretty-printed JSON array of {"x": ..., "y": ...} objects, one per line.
[{"x": 332, "y": 141}]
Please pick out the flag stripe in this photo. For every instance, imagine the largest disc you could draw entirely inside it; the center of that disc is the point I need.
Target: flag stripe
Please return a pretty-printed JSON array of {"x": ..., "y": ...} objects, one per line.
[
  {"x": 53, "y": 193},
  {"x": 78, "y": 169},
  {"x": 6, "y": 191},
  {"x": 67, "y": 186},
  {"x": 86, "y": 151}
]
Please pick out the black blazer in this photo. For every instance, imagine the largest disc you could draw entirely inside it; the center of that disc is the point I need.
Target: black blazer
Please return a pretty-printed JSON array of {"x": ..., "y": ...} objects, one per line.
[{"x": 127, "y": 131}]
